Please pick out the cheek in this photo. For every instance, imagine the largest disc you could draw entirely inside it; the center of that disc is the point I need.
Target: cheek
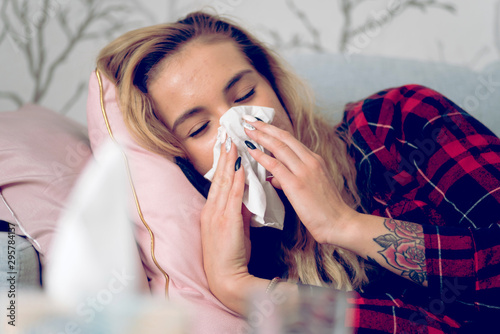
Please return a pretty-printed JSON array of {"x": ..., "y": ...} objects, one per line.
[
  {"x": 282, "y": 121},
  {"x": 202, "y": 159},
  {"x": 201, "y": 155}
]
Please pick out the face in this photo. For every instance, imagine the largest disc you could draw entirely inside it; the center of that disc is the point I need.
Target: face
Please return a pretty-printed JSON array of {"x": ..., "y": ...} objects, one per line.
[{"x": 197, "y": 85}]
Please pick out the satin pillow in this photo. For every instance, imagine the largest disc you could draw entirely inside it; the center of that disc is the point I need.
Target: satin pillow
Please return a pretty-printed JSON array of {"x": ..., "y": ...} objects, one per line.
[
  {"x": 166, "y": 215},
  {"x": 42, "y": 154}
]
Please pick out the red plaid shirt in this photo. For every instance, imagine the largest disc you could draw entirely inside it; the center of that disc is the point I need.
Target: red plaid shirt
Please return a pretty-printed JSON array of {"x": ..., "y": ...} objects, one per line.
[{"x": 421, "y": 158}]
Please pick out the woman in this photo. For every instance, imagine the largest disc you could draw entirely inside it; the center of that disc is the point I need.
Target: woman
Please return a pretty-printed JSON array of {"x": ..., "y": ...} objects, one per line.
[{"x": 407, "y": 182}]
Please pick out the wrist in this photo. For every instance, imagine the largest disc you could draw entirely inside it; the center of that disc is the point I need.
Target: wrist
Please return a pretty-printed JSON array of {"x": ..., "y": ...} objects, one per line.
[
  {"x": 360, "y": 232},
  {"x": 234, "y": 292},
  {"x": 346, "y": 230}
]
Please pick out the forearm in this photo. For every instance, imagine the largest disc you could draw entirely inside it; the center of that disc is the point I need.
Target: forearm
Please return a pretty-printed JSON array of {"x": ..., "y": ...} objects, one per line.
[
  {"x": 396, "y": 245},
  {"x": 237, "y": 293}
]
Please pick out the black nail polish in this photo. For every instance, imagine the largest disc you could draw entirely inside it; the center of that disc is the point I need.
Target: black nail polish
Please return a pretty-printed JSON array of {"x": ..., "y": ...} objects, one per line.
[
  {"x": 258, "y": 119},
  {"x": 237, "y": 165},
  {"x": 250, "y": 145}
]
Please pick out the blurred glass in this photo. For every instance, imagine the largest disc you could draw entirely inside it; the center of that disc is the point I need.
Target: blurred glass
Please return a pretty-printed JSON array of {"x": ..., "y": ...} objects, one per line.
[
  {"x": 317, "y": 310},
  {"x": 38, "y": 314}
]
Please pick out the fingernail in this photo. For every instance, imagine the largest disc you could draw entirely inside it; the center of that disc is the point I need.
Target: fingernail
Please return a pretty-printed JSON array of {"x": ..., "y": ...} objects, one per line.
[
  {"x": 228, "y": 144},
  {"x": 237, "y": 165},
  {"x": 250, "y": 145},
  {"x": 248, "y": 126},
  {"x": 259, "y": 119},
  {"x": 249, "y": 118}
]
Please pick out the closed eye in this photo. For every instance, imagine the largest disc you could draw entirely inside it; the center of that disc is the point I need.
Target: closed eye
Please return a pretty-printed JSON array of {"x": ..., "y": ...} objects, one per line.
[
  {"x": 246, "y": 97},
  {"x": 199, "y": 130}
]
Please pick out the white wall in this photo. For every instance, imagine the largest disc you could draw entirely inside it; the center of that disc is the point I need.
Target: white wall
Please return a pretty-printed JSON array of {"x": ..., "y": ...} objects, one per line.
[{"x": 458, "y": 32}]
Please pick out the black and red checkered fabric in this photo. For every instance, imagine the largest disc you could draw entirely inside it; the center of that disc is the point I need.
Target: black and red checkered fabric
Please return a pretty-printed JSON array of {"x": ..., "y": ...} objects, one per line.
[{"x": 421, "y": 158}]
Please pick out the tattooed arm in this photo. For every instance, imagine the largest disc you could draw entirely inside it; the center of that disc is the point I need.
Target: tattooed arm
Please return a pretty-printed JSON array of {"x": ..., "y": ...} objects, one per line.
[
  {"x": 403, "y": 249},
  {"x": 396, "y": 245}
]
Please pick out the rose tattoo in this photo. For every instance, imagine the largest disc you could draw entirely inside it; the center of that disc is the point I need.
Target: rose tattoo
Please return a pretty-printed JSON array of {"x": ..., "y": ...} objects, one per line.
[{"x": 404, "y": 249}]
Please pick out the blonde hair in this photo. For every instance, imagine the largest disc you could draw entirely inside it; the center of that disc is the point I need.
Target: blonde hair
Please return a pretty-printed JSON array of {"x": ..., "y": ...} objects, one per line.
[{"x": 132, "y": 61}]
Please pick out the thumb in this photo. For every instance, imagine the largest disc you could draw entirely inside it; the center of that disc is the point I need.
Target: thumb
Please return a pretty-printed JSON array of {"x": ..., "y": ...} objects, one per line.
[{"x": 247, "y": 215}]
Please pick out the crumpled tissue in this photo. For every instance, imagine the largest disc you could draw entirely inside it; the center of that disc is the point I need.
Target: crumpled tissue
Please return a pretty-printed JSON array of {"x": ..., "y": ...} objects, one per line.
[{"x": 260, "y": 197}]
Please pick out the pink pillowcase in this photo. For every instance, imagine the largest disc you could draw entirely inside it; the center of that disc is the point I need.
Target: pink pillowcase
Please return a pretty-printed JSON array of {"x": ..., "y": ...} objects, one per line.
[
  {"x": 42, "y": 154},
  {"x": 171, "y": 208}
]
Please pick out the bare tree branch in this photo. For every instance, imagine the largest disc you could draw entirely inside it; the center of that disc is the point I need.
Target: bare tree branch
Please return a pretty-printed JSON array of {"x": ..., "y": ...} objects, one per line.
[
  {"x": 20, "y": 13},
  {"x": 34, "y": 19},
  {"x": 348, "y": 7},
  {"x": 63, "y": 22},
  {"x": 3, "y": 34},
  {"x": 26, "y": 32},
  {"x": 25, "y": 6},
  {"x": 380, "y": 22},
  {"x": 424, "y": 5},
  {"x": 316, "y": 44},
  {"x": 80, "y": 34},
  {"x": 277, "y": 40},
  {"x": 3, "y": 12},
  {"x": 8, "y": 24},
  {"x": 65, "y": 53},
  {"x": 18, "y": 101},
  {"x": 40, "y": 31},
  {"x": 345, "y": 7}
]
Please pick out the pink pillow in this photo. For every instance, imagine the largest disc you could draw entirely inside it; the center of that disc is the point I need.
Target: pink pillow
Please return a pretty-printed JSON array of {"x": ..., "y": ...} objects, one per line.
[
  {"x": 171, "y": 208},
  {"x": 42, "y": 154}
]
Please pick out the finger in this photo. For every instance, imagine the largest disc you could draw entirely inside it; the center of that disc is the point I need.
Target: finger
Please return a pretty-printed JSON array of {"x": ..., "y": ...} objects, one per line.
[
  {"x": 213, "y": 192},
  {"x": 247, "y": 216},
  {"x": 275, "y": 183},
  {"x": 280, "y": 135},
  {"x": 276, "y": 167},
  {"x": 278, "y": 148},
  {"x": 226, "y": 180},
  {"x": 234, "y": 203},
  {"x": 223, "y": 179}
]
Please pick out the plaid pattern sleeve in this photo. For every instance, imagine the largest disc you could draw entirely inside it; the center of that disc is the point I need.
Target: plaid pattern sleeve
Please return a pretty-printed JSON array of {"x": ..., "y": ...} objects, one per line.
[
  {"x": 387, "y": 314},
  {"x": 423, "y": 159}
]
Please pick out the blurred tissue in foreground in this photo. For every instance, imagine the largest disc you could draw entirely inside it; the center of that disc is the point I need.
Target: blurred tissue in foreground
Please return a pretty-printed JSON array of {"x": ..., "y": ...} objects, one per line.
[{"x": 94, "y": 281}]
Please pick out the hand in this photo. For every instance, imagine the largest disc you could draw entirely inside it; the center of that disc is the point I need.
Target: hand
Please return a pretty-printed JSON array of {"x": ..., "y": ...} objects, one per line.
[
  {"x": 305, "y": 180},
  {"x": 225, "y": 230}
]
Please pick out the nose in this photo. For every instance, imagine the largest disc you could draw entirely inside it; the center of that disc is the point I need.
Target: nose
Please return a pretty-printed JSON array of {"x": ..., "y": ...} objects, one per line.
[{"x": 222, "y": 109}]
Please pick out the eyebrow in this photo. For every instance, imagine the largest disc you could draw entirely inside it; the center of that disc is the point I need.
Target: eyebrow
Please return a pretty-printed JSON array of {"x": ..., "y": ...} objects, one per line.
[
  {"x": 235, "y": 79},
  {"x": 193, "y": 111}
]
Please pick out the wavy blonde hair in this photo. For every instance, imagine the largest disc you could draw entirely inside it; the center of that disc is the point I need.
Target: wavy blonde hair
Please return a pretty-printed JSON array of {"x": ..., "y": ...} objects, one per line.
[{"x": 133, "y": 60}]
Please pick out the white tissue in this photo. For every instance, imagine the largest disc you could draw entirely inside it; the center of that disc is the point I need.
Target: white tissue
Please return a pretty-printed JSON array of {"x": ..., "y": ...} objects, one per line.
[
  {"x": 94, "y": 253},
  {"x": 260, "y": 197}
]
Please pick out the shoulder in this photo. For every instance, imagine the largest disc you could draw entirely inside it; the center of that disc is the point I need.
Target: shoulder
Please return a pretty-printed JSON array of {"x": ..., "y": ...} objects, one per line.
[
  {"x": 417, "y": 99},
  {"x": 384, "y": 107},
  {"x": 411, "y": 96}
]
